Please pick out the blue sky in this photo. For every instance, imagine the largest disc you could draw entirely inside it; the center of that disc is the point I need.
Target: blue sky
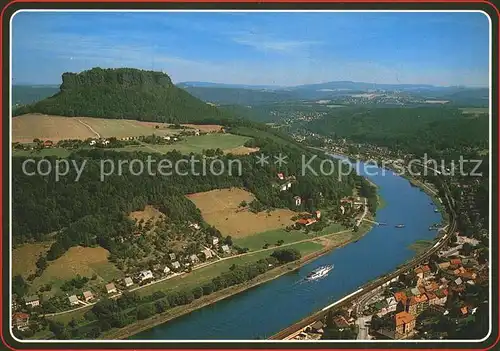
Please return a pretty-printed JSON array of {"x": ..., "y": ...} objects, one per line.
[{"x": 281, "y": 48}]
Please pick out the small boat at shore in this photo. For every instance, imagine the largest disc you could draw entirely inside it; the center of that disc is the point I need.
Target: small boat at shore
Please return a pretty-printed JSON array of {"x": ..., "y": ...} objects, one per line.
[
  {"x": 400, "y": 226},
  {"x": 436, "y": 210}
]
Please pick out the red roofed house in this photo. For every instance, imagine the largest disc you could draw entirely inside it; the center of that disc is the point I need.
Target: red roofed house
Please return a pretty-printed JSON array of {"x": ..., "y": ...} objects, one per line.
[
  {"x": 48, "y": 143},
  {"x": 417, "y": 304},
  {"x": 455, "y": 261},
  {"x": 280, "y": 176},
  {"x": 405, "y": 323},
  {"x": 400, "y": 296},
  {"x": 20, "y": 320}
]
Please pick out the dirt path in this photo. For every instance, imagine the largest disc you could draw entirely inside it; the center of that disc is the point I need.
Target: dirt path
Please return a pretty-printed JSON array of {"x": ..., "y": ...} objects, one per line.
[{"x": 89, "y": 127}]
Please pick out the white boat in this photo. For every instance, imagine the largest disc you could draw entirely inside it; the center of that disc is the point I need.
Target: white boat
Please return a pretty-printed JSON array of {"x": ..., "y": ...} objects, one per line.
[{"x": 319, "y": 272}]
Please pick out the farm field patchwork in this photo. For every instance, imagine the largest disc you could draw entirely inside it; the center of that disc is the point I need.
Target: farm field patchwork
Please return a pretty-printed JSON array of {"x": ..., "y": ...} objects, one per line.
[
  {"x": 27, "y": 127},
  {"x": 220, "y": 208}
]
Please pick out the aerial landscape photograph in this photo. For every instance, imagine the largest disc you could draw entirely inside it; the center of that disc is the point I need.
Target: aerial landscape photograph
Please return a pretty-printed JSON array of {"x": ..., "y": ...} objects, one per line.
[{"x": 259, "y": 176}]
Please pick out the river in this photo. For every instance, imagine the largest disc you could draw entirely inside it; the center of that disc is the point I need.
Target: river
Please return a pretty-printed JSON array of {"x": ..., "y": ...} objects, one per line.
[{"x": 264, "y": 310}]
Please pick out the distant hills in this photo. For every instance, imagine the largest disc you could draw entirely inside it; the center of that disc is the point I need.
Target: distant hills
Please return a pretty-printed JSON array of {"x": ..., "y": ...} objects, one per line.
[
  {"x": 251, "y": 95},
  {"x": 123, "y": 93},
  {"x": 129, "y": 93}
]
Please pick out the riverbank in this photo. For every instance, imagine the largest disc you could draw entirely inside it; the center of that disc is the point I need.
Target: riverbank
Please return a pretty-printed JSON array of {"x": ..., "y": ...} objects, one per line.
[{"x": 158, "y": 319}]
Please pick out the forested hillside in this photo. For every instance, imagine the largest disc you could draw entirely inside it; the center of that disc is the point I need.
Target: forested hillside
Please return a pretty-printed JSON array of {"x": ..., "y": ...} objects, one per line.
[
  {"x": 124, "y": 93},
  {"x": 414, "y": 129}
]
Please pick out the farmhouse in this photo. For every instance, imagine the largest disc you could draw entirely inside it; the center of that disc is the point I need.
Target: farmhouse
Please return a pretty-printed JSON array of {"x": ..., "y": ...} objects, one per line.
[
  {"x": 207, "y": 253},
  {"x": 176, "y": 265},
  {"x": 73, "y": 300},
  {"x": 32, "y": 301},
  {"x": 225, "y": 248},
  {"x": 193, "y": 258},
  {"x": 166, "y": 270},
  {"x": 20, "y": 320},
  {"x": 144, "y": 275},
  {"x": 128, "y": 282},
  {"x": 110, "y": 288},
  {"x": 88, "y": 296}
]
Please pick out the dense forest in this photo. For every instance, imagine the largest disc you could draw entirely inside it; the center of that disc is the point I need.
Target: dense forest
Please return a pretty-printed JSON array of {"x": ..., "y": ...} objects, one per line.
[
  {"x": 124, "y": 93},
  {"x": 92, "y": 211}
]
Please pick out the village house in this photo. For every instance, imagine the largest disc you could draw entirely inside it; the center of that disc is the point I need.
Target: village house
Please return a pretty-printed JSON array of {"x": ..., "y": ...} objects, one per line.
[
  {"x": 431, "y": 298},
  {"x": 318, "y": 214},
  {"x": 281, "y": 176},
  {"x": 92, "y": 142},
  {"x": 128, "y": 282},
  {"x": 455, "y": 262},
  {"x": 88, "y": 296},
  {"x": 405, "y": 324},
  {"x": 225, "y": 249},
  {"x": 166, "y": 270},
  {"x": 441, "y": 296},
  {"x": 340, "y": 322},
  {"x": 73, "y": 300},
  {"x": 286, "y": 186},
  {"x": 166, "y": 138},
  {"x": 145, "y": 275},
  {"x": 463, "y": 239},
  {"x": 110, "y": 288},
  {"x": 20, "y": 320},
  {"x": 32, "y": 301},
  {"x": 193, "y": 258},
  {"x": 176, "y": 265},
  {"x": 207, "y": 253},
  {"x": 171, "y": 256},
  {"x": 298, "y": 200},
  {"x": 215, "y": 240},
  {"x": 48, "y": 143},
  {"x": 306, "y": 221}
]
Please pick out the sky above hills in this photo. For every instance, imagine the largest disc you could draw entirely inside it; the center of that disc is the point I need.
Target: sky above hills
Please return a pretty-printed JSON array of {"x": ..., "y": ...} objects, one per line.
[{"x": 280, "y": 48}]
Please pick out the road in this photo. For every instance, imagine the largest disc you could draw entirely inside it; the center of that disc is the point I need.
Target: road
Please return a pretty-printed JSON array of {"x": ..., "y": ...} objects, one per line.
[{"x": 91, "y": 129}]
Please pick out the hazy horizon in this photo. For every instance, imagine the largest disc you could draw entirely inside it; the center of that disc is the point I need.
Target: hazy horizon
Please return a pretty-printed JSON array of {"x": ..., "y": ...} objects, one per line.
[{"x": 260, "y": 48}]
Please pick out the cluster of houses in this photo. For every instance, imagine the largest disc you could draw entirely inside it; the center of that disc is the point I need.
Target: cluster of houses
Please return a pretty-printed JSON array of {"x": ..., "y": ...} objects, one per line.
[
  {"x": 432, "y": 290},
  {"x": 308, "y": 219},
  {"x": 87, "y": 296},
  {"x": 285, "y": 183}
]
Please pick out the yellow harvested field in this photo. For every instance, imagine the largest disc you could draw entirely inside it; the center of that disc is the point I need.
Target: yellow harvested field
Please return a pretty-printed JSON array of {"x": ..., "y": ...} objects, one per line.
[
  {"x": 77, "y": 260},
  {"x": 27, "y": 127},
  {"x": 148, "y": 212},
  {"x": 220, "y": 208},
  {"x": 24, "y": 257},
  {"x": 241, "y": 150}
]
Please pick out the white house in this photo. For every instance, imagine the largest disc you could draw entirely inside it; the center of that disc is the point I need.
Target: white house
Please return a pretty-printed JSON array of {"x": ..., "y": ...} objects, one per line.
[
  {"x": 391, "y": 304},
  {"x": 176, "y": 265},
  {"x": 195, "y": 226},
  {"x": 92, "y": 143},
  {"x": 128, "y": 282},
  {"x": 298, "y": 200},
  {"x": 166, "y": 270},
  {"x": 73, "y": 300},
  {"x": 215, "y": 240},
  {"x": 194, "y": 258},
  {"x": 144, "y": 275},
  {"x": 110, "y": 288},
  {"x": 166, "y": 138},
  {"x": 225, "y": 248},
  {"x": 207, "y": 253},
  {"x": 172, "y": 256},
  {"x": 32, "y": 301}
]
